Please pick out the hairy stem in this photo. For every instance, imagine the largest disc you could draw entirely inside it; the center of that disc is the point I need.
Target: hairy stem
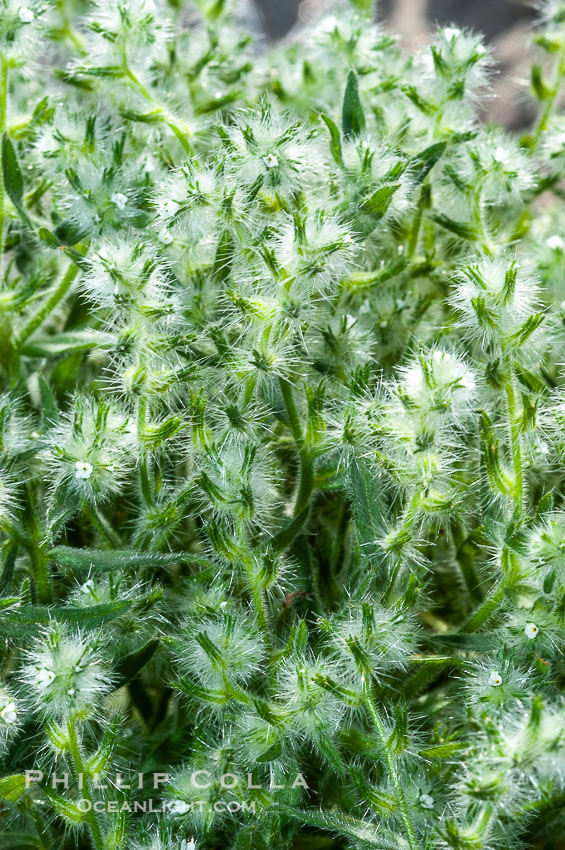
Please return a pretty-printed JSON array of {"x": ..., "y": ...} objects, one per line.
[
  {"x": 306, "y": 483},
  {"x": 392, "y": 769},
  {"x": 54, "y": 299},
  {"x": 3, "y": 112},
  {"x": 79, "y": 767}
]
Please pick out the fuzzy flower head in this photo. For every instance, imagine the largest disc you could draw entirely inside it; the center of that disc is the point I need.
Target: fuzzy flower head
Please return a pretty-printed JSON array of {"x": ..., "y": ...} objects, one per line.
[
  {"x": 236, "y": 482},
  {"x": 496, "y": 300},
  {"x": 315, "y": 253},
  {"x": 90, "y": 453},
  {"x": 268, "y": 149},
  {"x": 224, "y": 646},
  {"x": 127, "y": 30},
  {"x": 438, "y": 386},
  {"x": 546, "y": 548},
  {"x": 367, "y": 639},
  {"x": 128, "y": 281},
  {"x": 65, "y": 673},
  {"x": 305, "y": 694},
  {"x": 496, "y": 682},
  {"x": 21, "y": 24}
]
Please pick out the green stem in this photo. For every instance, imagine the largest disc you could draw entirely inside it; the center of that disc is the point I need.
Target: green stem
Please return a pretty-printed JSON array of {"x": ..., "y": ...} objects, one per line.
[
  {"x": 552, "y": 100},
  {"x": 392, "y": 769},
  {"x": 515, "y": 432},
  {"x": 102, "y": 526},
  {"x": 306, "y": 484},
  {"x": 146, "y": 489},
  {"x": 39, "y": 562},
  {"x": 3, "y": 113},
  {"x": 78, "y": 763},
  {"x": 168, "y": 119},
  {"x": 48, "y": 307}
]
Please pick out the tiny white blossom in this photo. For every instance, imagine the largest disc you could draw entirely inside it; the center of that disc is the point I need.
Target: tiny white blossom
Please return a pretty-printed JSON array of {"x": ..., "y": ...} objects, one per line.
[
  {"x": 271, "y": 161},
  {"x": 451, "y": 32},
  {"x": 83, "y": 469},
  {"x": 531, "y": 630},
  {"x": 26, "y": 16},
  {"x": 120, "y": 200},
  {"x": 87, "y": 586},
  {"x": 44, "y": 678},
  {"x": 500, "y": 154},
  {"x": 9, "y": 714},
  {"x": 188, "y": 845},
  {"x": 165, "y": 236},
  {"x": 426, "y": 801},
  {"x": 495, "y": 679},
  {"x": 556, "y": 243}
]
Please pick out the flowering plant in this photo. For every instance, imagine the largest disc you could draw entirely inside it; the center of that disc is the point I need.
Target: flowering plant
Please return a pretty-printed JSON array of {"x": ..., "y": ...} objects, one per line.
[{"x": 282, "y": 431}]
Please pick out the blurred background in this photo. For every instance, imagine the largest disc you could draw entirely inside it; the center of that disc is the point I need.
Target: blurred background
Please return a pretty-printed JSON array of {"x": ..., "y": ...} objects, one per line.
[{"x": 505, "y": 23}]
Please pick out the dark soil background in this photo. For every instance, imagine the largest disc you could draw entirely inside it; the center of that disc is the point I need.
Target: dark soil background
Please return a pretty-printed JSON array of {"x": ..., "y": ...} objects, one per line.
[{"x": 505, "y": 23}]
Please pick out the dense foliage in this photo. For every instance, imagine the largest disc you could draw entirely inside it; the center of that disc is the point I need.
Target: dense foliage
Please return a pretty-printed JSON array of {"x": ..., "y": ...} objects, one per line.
[{"x": 282, "y": 436}]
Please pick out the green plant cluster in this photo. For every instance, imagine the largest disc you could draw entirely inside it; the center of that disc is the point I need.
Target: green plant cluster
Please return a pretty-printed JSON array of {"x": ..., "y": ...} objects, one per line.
[{"x": 282, "y": 435}]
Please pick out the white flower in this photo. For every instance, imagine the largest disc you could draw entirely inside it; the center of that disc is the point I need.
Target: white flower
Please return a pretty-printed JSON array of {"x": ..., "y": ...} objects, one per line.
[
  {"x": 188, "y": 845},
  {"x": 500, "y": 154},
  {"x": 531, "y": 630},
  {"x": 9, "y": 714},
  {"x": 495, "y": 679},
  {"x": 178, "y": 807},
  {"x": 451, "y": 32},
  {"x": 426, "y": 801},
  {"x": 87, "y": 586},
  {"x": 120, "y": 200},
  {"x": 165, "y": 236},
  {"x": 270, "y": 161},
  {"x": 26, "y": 16},
  {"x": 44, "y": 678},
  {"x": 83, "y": 469},
  {"x": 556, "y": 243}
]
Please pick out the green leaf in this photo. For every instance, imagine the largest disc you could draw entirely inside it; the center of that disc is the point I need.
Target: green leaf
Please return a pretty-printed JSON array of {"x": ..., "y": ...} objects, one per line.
[
  {"x": 49, "y": 409},
  {"x": 98, "y": 763},
  {"x": 338, "y": 823},
  {"x": 154, "y": 436},
  {"x": 353, "y": 117},
  {"x": 379, "y": 202},
  {"x": 366, "y": 501},
  {"x": 425, "y": 161},
  {"x": 18, "y": 841},
  {"x": 335, "y": 139},
  {"x": 442, "y": 751},
  {"x": 284, "y": 538},
  {"x": 540, "y": 88},
  {"x": 131, "y": 664},
  {"x": 12, "y": 787},
  {"x": 459, "y": 228},
  {"x": 13, "y": 180},
  {"x": 471, "y": 643},
  {"x": 8, "y": 564},
  {"x": 120, "y": 559},
  {"x": 52, "y": 346},
  {"x": 202, "y": 694},
  {"x": 65, "y": 808},
  {"x": 25, "y": 620}
]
